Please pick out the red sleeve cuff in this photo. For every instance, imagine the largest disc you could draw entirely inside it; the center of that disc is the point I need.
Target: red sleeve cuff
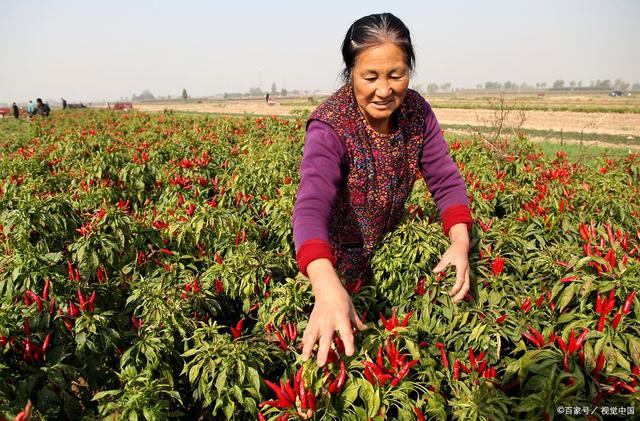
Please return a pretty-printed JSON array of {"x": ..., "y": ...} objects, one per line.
[
  {"x": 456, "y": 214},
  {"x": 312, "y": 250}
]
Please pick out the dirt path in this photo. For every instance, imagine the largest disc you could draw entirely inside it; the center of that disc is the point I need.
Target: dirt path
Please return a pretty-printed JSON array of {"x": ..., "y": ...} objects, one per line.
[{"x": 604, "y": 123}]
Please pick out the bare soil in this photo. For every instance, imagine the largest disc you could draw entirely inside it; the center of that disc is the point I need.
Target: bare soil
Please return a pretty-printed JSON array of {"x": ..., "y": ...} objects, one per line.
[{"x": 603, "y": 123}]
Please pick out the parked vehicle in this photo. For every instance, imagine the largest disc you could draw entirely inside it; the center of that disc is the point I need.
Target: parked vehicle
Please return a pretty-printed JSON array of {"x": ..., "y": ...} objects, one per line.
[
  {"x": 125, "y": 106},
  {"x": 619, "y": 93}
]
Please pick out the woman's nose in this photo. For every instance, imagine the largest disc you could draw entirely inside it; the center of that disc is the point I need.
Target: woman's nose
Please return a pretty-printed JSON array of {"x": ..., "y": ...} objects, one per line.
[{"x": 383, "y": 89}]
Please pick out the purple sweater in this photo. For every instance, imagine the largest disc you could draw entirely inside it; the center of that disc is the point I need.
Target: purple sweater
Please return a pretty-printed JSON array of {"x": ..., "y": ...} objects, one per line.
[{"x": 325, "y": 164}]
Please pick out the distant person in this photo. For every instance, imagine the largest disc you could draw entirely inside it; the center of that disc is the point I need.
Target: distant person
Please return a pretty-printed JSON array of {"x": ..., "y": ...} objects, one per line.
[
  {"x": 64, "y": 103},
  {"x": 42, "y": 108},
  {"x": 31, "y": 108},
  {"x": 16, "y": 110},
  {"x": 267, "y": 98}
]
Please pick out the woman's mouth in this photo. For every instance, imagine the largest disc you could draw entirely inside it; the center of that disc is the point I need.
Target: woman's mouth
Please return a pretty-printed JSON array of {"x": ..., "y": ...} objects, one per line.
[{"x": 382, "y": 105}]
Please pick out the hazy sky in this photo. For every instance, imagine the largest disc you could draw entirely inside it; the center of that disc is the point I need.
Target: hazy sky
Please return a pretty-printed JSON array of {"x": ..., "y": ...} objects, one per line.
[{"x": 90, "y": 50}]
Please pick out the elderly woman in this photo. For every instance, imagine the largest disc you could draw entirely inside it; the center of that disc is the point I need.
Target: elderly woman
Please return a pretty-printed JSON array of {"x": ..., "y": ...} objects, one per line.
[{"x": 363, "y": 148}]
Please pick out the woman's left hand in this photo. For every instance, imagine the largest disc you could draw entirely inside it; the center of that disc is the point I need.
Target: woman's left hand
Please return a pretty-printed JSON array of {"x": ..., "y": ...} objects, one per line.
[{"x": 457, "y": 255}]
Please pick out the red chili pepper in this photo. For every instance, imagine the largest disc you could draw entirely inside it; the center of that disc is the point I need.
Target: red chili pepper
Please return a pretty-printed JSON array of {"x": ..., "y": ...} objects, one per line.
[
  {"x": 616, "y": 320},
  {"x": 80, "y": 298},
  {"x": 609, "y": 233},
  {"x": 481, "y": 367},
  {"x": 406, "y": 319},
  {"x": 456, "y": 369},
  {"x": 572, "y": 342},
  {"x": 368, "y": 374},
  {"x": 565, "y": 361},
  {"x": 403, "y": 372},
  {"x": 611, "y": 302},
  {"x": 532, "y": 339},
  {"x": 472, "y": 357},
  {"x": 526, "y": 305},
  {"x": 52, "y": 306},
  {"x": 218, "y": 259},
  {"x": 261, "y": 417},
  {"x": 625, "y": 242},
  {"x": 598, "y": 304},
  {"x": 281, "y": 394},
  {"x": 540, "y": 300},
  {"x": 610, "y": 257},
  {"x": 599, "y": 363},
  {"x": 45, "y": 291},
  {"x": 584, "y": 233},
  {"x": 286, "y": 386},
  {"x": 561, "y": 344},
  {"x": 501, "y": 319},
  {"x": 568, "y": 279},
  {"x": 445, "y": 361},
  {"x": 601, "y": 322},
  {"x": 302, "y": 392},
  {"x": 626, "y": 308},
  {"x": 311, "y": 400},
  {"x": 283, "y": 344},
  {"x": 419, "y": 413},
  {"x": 47, "y": 341},
  {"x": 39, "y": 301},
  {"x": 537, "y": 335},
  {"x": 335, "y": 387},
  {"x": 465, "y": 368},
  {"x": 580, "y": 339},
  {"x": 379, "y": 357}
]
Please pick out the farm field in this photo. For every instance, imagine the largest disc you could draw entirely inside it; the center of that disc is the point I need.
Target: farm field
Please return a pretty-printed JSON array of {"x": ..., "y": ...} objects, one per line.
[
  {"x": 596, "y": 115},
  {"x": 147, "y": 271}
]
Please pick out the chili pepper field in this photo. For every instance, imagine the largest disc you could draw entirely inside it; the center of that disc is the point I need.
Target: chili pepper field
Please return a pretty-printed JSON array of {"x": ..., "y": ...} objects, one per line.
[{"x": 147, "y": 271}]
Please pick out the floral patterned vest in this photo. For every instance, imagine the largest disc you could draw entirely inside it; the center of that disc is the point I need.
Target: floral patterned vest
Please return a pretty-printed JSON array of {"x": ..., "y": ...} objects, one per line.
[{"x": 380, "y": 175}]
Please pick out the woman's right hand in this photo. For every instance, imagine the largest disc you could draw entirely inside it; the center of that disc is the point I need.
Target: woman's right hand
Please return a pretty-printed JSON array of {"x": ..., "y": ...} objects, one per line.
[{"x": 333, "y": 312}]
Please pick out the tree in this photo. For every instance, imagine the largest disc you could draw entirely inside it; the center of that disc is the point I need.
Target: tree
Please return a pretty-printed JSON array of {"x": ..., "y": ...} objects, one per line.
[
  {"x": 579, "y": 84},
  {"x": 635, "y": 87},
  {"x": 255, "y": 91},
  {"x": 621, "y": 85},
  {"x": 283, "y": 92},
  {"x": 432, "y": 88},
  {"x": 274, "y": 89},
  {"x": 558, "y": 84},
  {"x": 508, "y": 85},
  {"x": 572, "y": 84},
  {"x": 184, "y": 94}
]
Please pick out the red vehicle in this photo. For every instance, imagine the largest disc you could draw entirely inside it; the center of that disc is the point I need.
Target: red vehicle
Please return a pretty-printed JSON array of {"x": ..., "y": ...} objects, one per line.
[
  {"x": 4, "y": 111},
  {"x": 123, "y": 106}
]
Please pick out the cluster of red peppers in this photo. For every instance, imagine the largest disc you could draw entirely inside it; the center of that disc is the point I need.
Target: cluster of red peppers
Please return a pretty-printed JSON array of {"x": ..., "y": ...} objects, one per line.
[
  {"x": 296, "y": 397},
  {"x": 476, "y": 363},
  {"x": 605, "y": 305},
  {"x": 399, "y": 367},
  {"x": 31, "y": 297},
  {"x": 290, "y": 331},
  {"x": 589, "y": 234},
  {"x": 190, "y": 287},
  {"x": 31, "y": 351},
  {"x": 393, "y": 322}
]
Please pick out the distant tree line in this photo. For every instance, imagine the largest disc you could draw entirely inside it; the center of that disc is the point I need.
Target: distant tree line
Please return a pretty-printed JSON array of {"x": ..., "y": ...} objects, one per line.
[{"x": 559, "y": 84}]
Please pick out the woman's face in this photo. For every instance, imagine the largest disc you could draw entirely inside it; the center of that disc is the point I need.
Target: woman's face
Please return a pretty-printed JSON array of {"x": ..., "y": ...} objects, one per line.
[{"x": 380, "y": 81}]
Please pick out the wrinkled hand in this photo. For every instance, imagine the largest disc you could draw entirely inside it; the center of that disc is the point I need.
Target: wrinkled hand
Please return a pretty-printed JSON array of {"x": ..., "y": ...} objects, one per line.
[
  {"x": 333, "y": 311},
  {"x": 457, "y": 255}
]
